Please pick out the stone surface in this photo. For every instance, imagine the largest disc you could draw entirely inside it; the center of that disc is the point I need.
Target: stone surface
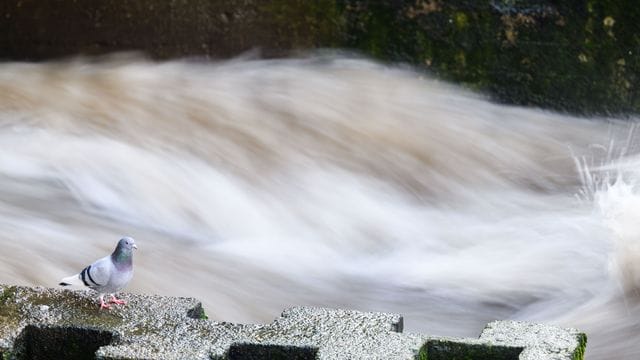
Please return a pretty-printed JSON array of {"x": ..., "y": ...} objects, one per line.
[
  {"x": 41, "y": 323},
  {"x": 538, "y": 341}
]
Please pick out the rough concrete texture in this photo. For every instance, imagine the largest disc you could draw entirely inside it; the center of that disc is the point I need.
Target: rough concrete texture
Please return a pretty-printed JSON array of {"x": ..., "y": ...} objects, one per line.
[
  {"x": 41, "y": 323},
  {"x": 538, "y": 341}
]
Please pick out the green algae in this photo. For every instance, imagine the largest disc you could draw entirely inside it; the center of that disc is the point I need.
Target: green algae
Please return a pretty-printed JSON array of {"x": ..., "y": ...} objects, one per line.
[
  {"x": 422, "y": 353},
  {"x": 8, "y": 293},
  {"x": 6, "y": 355},
  {"x": 9, "y": 310},
  {"x": 578, "y": 354}
]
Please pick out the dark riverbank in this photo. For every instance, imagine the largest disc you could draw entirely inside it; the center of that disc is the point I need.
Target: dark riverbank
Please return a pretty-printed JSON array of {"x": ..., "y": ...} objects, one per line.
[{"x": 576, "y": 56}]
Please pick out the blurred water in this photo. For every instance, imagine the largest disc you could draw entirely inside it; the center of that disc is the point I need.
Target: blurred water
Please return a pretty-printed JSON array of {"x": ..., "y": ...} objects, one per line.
[{"x": 255, "y": 185}]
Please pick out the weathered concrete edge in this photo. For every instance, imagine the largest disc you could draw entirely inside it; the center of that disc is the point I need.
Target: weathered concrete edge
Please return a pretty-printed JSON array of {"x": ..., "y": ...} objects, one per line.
[{"x": 301, "y": 331}]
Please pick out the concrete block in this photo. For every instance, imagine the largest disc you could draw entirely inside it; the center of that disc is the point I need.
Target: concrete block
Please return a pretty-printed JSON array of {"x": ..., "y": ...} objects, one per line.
[{"x": 42, "y": 323}]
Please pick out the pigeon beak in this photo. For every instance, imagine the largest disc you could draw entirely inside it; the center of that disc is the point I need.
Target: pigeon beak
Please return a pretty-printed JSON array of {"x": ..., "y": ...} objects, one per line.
[{"x": 135, "y": 246}]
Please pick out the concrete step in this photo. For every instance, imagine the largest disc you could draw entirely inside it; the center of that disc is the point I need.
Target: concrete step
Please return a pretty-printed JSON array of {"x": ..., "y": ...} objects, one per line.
[{"x": 44, "y": 323}]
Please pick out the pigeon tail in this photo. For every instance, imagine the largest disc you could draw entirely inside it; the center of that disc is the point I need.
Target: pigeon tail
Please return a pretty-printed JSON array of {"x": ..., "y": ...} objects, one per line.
[{"x": 71, "y": 280}]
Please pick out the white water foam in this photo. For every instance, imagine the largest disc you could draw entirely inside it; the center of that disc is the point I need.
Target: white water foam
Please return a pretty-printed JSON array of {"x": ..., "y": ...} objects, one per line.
[{"x": 256, "y": 185}]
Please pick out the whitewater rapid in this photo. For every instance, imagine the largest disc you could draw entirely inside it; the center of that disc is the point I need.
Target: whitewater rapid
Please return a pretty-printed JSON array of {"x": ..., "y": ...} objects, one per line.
[{"x": 254, "y": 185}]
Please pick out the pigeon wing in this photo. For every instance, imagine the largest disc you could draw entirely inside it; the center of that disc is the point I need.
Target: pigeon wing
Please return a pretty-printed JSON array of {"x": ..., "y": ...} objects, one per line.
[{"x": 97, "y": 274}]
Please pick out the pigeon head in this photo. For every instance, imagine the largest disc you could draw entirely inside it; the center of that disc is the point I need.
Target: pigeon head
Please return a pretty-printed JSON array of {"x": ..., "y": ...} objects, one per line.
[
  {"x": 126, "y": 243},
  {"x": 124, "y": 251}
]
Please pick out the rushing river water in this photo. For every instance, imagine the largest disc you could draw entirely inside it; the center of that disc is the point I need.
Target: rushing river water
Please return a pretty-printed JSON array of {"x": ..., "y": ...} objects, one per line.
[{"x": 256, "y": 185}]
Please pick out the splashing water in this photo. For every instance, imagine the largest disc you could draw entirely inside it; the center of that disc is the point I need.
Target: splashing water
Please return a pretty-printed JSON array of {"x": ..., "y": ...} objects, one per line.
[
  {"x": 612, "y": 187},
  {"x": 255, "y": 185}
]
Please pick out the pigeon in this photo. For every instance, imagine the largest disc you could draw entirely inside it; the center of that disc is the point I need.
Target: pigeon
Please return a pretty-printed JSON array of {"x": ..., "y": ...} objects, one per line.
[{"x": 109, "y": 274}]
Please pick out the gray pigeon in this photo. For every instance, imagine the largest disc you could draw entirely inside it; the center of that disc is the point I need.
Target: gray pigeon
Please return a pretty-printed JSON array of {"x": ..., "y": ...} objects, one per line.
[{"x": 109, "y": 274}]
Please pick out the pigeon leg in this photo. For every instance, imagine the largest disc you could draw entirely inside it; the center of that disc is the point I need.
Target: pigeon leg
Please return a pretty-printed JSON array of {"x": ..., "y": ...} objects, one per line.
[
  {"x": 114, "y": 300},
  {"x": 103, "y": 305}
]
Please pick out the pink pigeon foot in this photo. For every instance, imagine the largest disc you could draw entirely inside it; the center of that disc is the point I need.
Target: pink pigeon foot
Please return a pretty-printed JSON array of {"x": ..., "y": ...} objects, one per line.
[
  {"x": 104, "y": 305},
  {"x": 114, "y": 300}
]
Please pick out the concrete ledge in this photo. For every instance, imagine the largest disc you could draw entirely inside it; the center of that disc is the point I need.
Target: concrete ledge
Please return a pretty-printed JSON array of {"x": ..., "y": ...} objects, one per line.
[{"x": 41, "y": 323}]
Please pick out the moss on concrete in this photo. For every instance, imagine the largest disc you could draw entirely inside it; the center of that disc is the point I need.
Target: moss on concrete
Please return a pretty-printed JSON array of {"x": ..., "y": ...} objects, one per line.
[
  {"x": 9, "y": 313},
  {"x": 7, "y": 294},
  {"x": 578, "y": 354},
  {"x": 197, "y": 312}
]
